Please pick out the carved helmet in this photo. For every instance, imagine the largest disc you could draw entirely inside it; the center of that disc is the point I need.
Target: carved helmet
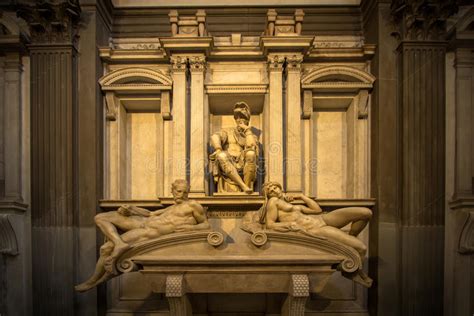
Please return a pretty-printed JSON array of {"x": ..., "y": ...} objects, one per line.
[{"x": 242, "y": 110}]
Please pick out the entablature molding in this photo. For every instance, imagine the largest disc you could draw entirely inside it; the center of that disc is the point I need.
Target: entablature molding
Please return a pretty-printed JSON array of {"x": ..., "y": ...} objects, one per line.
[
  {"x": 236, "y": 46},
  {"x": 236, "y": 88}
]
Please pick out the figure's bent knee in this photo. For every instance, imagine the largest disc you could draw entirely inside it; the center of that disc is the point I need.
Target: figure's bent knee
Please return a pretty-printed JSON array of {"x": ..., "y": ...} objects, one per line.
[
  {"x": 362, "y": 249},
  {"x": 250, "y": 155},
  {"x": 367, "y": 213},
  {"x": 99, "y": 217},
  {"x": 222, "y": 156}
]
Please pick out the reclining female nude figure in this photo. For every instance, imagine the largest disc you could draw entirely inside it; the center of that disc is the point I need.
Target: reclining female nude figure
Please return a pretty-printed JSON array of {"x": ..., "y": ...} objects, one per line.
[{"x": 280, "y": 215}]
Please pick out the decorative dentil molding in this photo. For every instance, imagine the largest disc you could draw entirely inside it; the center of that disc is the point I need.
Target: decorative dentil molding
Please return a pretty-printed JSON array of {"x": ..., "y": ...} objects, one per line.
[
  {"x": 54, "y": 22},
  {"x": 422, "y": 20}
]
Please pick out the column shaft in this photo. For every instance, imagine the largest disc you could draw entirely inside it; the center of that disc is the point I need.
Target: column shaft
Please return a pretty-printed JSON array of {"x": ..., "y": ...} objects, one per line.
[
  {"x": 12, "y": 128},
  {"x": 197, "y": 153},
  {"x": 179, "y": 119},
  {"x": 274, "y": 146},
  {"x": 294, "y": 145},
  {"x": 52, "y": 105},
  {"x": 464, "y": 118}
]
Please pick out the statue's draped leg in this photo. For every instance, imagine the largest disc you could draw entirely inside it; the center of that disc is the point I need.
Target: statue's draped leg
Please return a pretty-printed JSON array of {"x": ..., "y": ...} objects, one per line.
[
  {"x": 230, "y": 171},
  {"x": 250, "y": 167}
]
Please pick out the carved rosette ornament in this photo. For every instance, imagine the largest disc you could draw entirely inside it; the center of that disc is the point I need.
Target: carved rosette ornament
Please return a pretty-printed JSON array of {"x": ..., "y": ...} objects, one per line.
[
  {"x": 422, "y": 20},
  {"x": 52, "y": 21}
]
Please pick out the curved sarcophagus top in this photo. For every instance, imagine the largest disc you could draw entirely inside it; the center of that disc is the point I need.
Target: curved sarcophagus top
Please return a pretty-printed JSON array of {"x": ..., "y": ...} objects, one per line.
[{"x": 253, "y": 266}]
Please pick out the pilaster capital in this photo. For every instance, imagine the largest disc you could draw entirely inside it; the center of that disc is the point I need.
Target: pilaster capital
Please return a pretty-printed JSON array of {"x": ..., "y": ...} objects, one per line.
[
  {"x": 178, "y": 63},
  {"x": 52, "y": 22},
  {"x": 422, "y": 20},
  {"x": 197, "y": 63},
  {"x": 275, "y": 62},
  {"x": 12, "y": 63},
  {"x": 293, "y": 63},
  {"x": 464, "y": 58}
]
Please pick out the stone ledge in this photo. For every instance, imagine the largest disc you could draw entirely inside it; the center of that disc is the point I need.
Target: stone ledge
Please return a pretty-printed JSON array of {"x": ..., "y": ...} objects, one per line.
[
  {"x": 243, "y": 203},
  {"x": 463, "y": 202}
]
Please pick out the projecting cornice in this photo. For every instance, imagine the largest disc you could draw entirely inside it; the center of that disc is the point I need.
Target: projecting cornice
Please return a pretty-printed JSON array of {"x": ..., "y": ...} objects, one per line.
[
  {"x": 52, "y": 22},
  {"x": 422, "y": 20},
  {"x": 234, "y": 3}
]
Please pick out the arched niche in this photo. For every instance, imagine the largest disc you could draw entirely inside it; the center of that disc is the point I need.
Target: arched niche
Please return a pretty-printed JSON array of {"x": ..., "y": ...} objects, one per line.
[
  {"x": 137, "y": 102},
  {"x": 337, "y": 104},
  {"x": 220, "y": 99}
]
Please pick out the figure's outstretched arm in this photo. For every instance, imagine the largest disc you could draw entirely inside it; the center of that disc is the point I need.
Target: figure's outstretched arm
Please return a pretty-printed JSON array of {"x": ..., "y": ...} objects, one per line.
[{"x": 135, "y": 210}]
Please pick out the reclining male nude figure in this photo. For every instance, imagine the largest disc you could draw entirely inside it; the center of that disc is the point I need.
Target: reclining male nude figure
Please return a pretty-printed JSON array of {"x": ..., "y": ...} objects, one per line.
[{"x": 140, "y": 224}]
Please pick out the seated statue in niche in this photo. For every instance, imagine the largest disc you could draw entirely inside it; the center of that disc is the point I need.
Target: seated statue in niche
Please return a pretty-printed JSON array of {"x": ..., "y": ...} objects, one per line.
[
  {"x": 139, "y": 224},
  {"x": 234, "y": 160},
  {"x": 278, "y": 214}
]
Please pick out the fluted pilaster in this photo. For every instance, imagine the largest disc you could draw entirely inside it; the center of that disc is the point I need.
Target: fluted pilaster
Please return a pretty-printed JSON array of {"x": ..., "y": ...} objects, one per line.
[
  {"x": 198, "y": 153},
  {"x": 274, "y": 140},
  {"x": 53, "y": 27},
  {"x": 423, "y": 172}
]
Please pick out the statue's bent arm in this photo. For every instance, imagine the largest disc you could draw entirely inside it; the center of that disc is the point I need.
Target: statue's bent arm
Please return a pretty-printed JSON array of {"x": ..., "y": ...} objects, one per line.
[
  {"x": 312, "y": 206},
  {"x": 217, "y": 140},
  {"x": 200, "y": 216}
]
